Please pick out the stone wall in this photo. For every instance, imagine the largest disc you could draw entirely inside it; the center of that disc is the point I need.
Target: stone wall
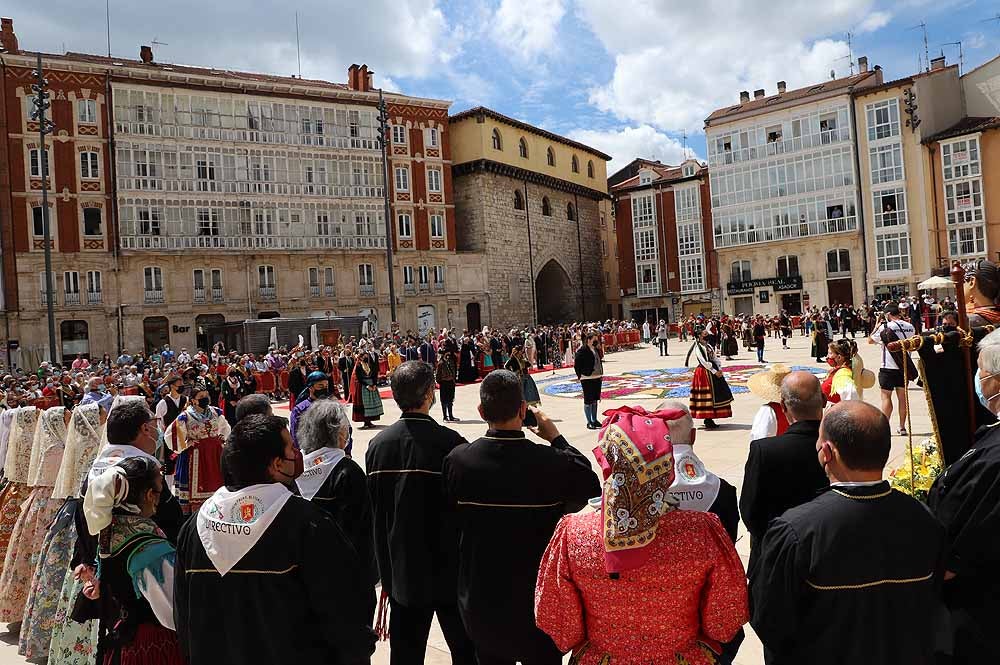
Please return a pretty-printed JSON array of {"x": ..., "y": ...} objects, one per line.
[{"x": 485, "y": 210}]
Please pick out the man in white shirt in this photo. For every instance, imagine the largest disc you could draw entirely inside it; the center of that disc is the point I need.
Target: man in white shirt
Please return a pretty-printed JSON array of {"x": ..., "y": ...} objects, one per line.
[
  {"x": 184, "y": 357},
  {"x": 890, "y": 376}
]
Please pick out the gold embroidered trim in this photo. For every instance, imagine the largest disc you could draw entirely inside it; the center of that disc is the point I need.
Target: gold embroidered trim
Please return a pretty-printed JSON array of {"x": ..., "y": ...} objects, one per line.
[
  {"x": 868, "y": 585},
  {"x": 510, "y": 505},
  {"x": 433, "y": 473},
  {"x": 506, "y": 438},
  {"x": 863, "y": 498},
  {"x": 245, "y": 572}
]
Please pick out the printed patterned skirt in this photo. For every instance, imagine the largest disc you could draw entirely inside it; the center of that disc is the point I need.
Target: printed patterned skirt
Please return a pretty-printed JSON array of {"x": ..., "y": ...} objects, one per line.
[
  {"x": 710, "y": 395},
  {"x": 22, "y": 554},
  {"x": 11, "y": 498},
  {"x": 72, "y": 643},
  {"x": 46, "y": 584}
]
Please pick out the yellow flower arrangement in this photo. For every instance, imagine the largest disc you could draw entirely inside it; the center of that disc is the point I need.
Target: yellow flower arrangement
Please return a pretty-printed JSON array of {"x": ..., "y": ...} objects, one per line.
[{"x": 926, "y": 466}]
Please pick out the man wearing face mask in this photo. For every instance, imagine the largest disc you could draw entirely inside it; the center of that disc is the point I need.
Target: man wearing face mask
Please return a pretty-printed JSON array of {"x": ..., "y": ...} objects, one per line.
[
  {"x": 173, "y": 403},
  {"x": 196, "y": 437},
  {"x": 263, "y": 576},
  {"x": 834, "y": 576},
  {"x": 966, "y": 498},
  {"x": 96, "y": 392}
]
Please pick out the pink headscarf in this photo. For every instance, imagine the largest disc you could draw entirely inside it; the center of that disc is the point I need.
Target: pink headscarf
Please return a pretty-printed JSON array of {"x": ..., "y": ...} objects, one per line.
[{"x": 637, "y": 459}]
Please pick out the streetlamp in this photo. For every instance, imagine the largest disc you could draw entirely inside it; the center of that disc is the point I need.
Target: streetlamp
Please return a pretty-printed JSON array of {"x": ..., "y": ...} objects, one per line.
[
  {"x": 383, "y": 131},
  {"x": 45, "y": 126}
]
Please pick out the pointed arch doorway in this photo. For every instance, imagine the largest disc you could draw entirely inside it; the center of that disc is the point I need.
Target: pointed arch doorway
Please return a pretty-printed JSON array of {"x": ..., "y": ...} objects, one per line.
[{"x": 556, "y": 298}]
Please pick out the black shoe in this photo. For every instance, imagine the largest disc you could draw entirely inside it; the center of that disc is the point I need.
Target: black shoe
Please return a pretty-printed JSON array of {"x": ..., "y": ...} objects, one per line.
[{"x": 711, "y": 424}]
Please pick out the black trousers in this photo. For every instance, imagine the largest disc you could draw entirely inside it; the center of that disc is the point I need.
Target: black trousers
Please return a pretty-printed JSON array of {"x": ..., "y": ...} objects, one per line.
[
  {"x": 447, "y": 389},
  {"x": 410, "y": 626}
]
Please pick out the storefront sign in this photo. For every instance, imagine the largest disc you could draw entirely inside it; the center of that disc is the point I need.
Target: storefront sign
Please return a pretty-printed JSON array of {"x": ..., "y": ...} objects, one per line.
[{"x": 776, "y": 283}]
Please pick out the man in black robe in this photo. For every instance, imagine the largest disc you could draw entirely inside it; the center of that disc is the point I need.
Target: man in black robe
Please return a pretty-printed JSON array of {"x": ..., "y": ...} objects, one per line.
[
  {"x": 346, "y": 365},
  {"x": 782, "y": 471},
  {"x": 854, "y": 575},
  {"x": 416, "y": 534},
  {"x": 282, "y": 583},
  {"x": 966, "y": 498},
  {"x": 509, "y": 493}
]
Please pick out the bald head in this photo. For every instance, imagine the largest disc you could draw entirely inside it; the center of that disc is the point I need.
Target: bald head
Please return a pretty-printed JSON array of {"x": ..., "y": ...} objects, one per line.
[
  {"x": 681, "y": 428},
  {"x": 860, "y": 433},
  {"x": 802, "y": 396}
]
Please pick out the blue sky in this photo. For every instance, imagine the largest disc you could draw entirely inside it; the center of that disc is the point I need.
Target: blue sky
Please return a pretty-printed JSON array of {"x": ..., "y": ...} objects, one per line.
[{"x": 631, "y": 77}]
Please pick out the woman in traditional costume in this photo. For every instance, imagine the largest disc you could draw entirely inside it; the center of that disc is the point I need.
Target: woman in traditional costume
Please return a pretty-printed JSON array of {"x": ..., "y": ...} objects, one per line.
[
  {"x": 136, "y": 569},
  {"x": 530, "y": 351},
  {"x": 711, "y": 397},
  {"x": 605, "y": 574},
  {"x": 445, "y": 373},
  {"x": 467, "y": 362},
  {"x": 36, "y": 514},
  {"x": 519, "y": 366},
  {"x": 16, "y": 465},
  {"x": 730, "y": 345},
  {"x": 770, "y": 419},
  {"x": 364, "y": 389},
  {"x": 822, "y": 334},
  {"x": 839, "y": 383},
  {"x": 196, "y": 436},
  {"x": 43, "y": 612}
]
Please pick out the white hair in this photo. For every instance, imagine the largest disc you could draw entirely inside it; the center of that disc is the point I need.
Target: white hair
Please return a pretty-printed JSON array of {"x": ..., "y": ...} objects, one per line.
[
  {"x": 681, "y": 428},
  {"x": 989, "y": 352}
]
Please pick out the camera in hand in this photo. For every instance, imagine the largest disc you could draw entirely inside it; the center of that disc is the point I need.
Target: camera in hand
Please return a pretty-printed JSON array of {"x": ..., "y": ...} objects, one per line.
[{"x": 529, "y": 419}]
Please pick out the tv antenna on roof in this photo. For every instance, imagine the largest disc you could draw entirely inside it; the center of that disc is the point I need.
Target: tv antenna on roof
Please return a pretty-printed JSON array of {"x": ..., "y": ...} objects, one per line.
[
  {"x": 961, "y": 55},
  {"x": 156, "y": 42},
  {"x": 992, "y": 18},
  {"x": 927, "y": 53}
]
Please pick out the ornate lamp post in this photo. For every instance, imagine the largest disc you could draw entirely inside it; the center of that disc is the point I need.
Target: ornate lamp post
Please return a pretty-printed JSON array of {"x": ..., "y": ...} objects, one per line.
[
  {"x": 45, "y": 126},
  {"x": 383, "y": 132}
]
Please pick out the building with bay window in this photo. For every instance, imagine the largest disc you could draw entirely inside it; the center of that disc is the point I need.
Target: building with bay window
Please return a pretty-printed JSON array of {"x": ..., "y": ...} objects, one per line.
[
  {"x": 667, "y": 265},
  {"x": 785, "y": 191}
]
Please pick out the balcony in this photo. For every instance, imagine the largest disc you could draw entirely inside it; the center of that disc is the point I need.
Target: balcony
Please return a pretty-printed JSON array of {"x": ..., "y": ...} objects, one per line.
[
  {"x": 95, "y": 297},
  {"x": 153, "y": 296},
  {"x": 267, "y": 292},
  {"x": 367, "y": 290},
  {"x": 44, "y": 297},
  {"x": 314, "y": 290},
  {"x": 329, "y": 291},
  {"x": 409, "y": 289},
  {"x": 425, "y": 287},
  {"x": 71, "y": 298},
  {"x": 199, "y": 295},
  {"x": 217, "y": 295},
  {"x": 242, "y": 241},
  {"x": 438, "y": 287}
]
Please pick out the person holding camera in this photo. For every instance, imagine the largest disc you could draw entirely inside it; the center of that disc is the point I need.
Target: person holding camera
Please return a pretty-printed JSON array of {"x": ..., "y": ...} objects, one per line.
[
  {"x": 504, "y": 526},
  {"x": 890, "y": 377}
]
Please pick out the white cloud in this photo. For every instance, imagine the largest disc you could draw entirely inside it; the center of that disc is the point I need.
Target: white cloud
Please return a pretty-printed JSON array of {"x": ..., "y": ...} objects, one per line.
[
  {"x": 528, "y": 28},
  {"x": 626, "y": 144},
  {"x": 677, "y": 62},
  {"x": 974, "y": 40},
  {"x": 875, "y": 21}
]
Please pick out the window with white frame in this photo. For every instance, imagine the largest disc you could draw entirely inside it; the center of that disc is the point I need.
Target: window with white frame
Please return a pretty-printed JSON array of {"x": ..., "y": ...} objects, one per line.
[
  {"x": 688, "y": 239},
  {"x": 642, "y": 211},
  {"x": 314, "y": 281},
  {"x": 208, "y": 222},
  {"x": 366, "y": 275},
  {"x": 92, "y": 221},
  {"x": 645, "y": 245},
  {"x": 216, "y": 276},
  {"x": 71, "y": 284},
  {"x": 688, "y": 170},
  {"x": 645, "y": 177},
  {"x": 424, "y": 275},
  {"x": 405, "y": 225},
  {"x": 44, "y": 289},
  {"x": 86, "y": 111},
  {"x": 692, "y": 270},
  {"x": 407, "y": 275},
  {"x": 89, "y": 161},
  {"x": 329, "y": 282},
  {"x": 402, "y": 179},
  {"x": 432, "y": 137},
  {"x": 886, "y": 163},
  {"x": 687, "y": 203},
  {"x": 399, "y": 134},
  {"x": 37, "y": 222},
  {"x": 94, "y": 285},
  {"x": 265, "y": 277},
  {"x": 960, "y": 159},
  {"x": 152, "y": 278},
  {"x": 967, "y": 241},
  {"x": 740, "y": 272},
  {"x": 893, "y": 251},
  {"x": 439, "y": 275},
  {"x": 883, "y": 119},
  {"x": 649, "y": 279},
  {"x": 35, "y": 165},
  {"x": 838, "y": 263},
  {"x": 433, "y": 180},
  {"x": 964, "y": 201},
  {"x": 437, "y": 226},
  {"x": 890, "y": 207},
  {"x": 788, "y": 266},
  {"x": 323, "y": 226},
  {"x": 149, "y": 219},
  {"x": 199, "y": 285}
]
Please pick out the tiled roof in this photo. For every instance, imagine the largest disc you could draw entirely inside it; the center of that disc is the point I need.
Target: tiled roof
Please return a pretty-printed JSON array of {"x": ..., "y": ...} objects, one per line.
[
  {"x": 968, "y": 125},
  {"x": 665, "y": 176},
  {"x": 800, "y": 93},
  {"x": 499, "y": 117}
]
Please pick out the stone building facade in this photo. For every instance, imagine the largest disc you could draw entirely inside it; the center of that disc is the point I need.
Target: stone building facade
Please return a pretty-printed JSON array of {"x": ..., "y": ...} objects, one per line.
[{"x": 530, "y": 202}]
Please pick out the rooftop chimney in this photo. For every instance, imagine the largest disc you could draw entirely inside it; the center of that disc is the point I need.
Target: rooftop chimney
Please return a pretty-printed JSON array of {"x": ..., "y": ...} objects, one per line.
[
  {"x": 937, "y": 63},
  {"x": 744, "y": 97},
  {"x": 863, "y": 64},
  {"x": 8, "y": 40},
  {"x": 757, "y": 94},
  {"x": 781, "y": 87},
  {"x": 146, "y": 54},
  {"x": 364, "y": 79},
  {"x": 352, "y": 77}
]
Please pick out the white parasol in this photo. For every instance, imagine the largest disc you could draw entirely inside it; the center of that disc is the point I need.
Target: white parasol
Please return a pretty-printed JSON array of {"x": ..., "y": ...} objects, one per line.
[{"x": 936, "y": 282}]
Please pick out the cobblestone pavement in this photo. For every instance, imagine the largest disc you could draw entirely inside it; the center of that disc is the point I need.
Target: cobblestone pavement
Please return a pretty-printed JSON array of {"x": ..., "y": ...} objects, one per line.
[{"x": 723, "y": 450}]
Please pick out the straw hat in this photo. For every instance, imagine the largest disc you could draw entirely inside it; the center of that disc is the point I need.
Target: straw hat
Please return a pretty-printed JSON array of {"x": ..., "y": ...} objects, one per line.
[
  {"x": 767, "y": 384},
  {"x": 867, "y": 379}
]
